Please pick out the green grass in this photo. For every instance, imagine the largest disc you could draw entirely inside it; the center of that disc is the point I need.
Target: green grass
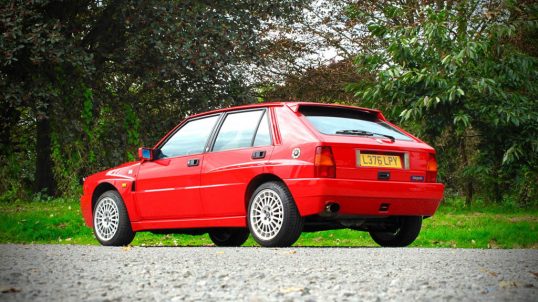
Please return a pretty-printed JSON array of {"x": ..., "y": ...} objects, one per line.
[{"x": 60, "y": 221}]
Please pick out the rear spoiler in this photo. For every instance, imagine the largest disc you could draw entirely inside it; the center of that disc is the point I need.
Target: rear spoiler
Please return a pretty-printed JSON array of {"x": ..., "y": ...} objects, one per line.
[{"x": 296, "y": 106}]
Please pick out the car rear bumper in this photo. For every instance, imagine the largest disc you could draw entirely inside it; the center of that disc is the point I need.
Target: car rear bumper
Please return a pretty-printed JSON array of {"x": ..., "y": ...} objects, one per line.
[{"x": 365, "y": 198}]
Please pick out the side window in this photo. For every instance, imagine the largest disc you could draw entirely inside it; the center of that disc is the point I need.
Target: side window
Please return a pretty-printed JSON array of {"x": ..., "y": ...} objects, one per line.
[
  {"x": 190, "y": 139},
  {"x": 237, "y": 131},
  {"x": 263, "y": 137}
]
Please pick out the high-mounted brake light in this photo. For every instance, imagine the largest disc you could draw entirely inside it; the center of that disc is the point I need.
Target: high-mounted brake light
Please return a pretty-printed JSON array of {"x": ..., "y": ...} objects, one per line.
[
  {"x": 324, "y": 164},
  {"x": 431, "y": 169}
]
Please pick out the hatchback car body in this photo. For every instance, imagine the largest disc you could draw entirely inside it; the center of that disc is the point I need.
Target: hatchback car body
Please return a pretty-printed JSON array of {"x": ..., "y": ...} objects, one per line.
[{"x": 272, "y": 170}]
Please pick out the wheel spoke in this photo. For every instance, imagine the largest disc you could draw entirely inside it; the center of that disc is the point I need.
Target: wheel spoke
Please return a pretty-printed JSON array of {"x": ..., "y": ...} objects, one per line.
[
  {"x": 266, "y": 214},
  {"x": 106, "y": 218}
]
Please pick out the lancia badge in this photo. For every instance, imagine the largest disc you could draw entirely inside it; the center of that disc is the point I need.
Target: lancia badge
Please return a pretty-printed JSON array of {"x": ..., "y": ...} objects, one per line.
[{"x": 296, "y": 153}]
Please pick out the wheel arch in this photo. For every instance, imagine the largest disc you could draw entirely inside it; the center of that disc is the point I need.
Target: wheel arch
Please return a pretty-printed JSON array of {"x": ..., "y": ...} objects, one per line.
[
  {"x": 99, "y": 190},
  {"x": 256, "y": 182}
]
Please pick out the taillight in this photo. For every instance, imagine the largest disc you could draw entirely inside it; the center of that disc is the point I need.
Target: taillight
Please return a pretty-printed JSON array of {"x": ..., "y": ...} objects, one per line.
[
  {"x": 324, "y": 164},
  {"x": 431, "y": 169}
]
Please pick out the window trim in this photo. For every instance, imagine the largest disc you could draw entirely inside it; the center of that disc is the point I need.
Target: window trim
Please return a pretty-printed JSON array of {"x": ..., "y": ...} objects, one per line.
[
  {"x": 256, "y": 130},
  {"x": 181, "y": 125},
  {"x": 271, "y": 138},
  {"x": 209, "y": 148}
]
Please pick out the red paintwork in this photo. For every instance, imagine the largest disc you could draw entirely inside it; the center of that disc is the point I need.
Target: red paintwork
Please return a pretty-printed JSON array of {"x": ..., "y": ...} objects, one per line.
[{"x": 170, "y": 195}]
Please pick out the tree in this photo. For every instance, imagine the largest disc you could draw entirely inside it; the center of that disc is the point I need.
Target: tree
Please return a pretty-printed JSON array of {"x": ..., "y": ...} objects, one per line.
[
  {"x": 324, "y": 83},
  {"x": 84, "y": 75},
  {"x": 452, "y": 69}
]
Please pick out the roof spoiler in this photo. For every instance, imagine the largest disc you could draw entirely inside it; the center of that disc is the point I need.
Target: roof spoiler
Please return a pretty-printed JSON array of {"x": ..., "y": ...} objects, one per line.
[{"x": 296, "y": 106}]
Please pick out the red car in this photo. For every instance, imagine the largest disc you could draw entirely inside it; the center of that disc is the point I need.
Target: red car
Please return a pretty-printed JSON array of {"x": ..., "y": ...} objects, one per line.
[{"x": 272, "y": 170}]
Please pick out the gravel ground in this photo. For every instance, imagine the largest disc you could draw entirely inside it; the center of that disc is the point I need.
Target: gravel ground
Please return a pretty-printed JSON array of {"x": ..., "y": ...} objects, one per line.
[{"x": 91, "y": 273}]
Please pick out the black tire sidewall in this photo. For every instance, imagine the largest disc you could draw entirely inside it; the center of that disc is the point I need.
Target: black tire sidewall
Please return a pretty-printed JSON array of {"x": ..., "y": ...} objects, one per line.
[
  {"x": 237, "y": 236},
  {"x": 409, "y": 229},
  {"x": 124, "y": 234},
  {"x": 292, "y": 224}
]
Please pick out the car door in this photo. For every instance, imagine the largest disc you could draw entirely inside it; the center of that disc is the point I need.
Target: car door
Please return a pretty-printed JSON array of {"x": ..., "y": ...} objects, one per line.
[
  {"x": 168, "y": 186},
  {"x": 240, "y": 150}
]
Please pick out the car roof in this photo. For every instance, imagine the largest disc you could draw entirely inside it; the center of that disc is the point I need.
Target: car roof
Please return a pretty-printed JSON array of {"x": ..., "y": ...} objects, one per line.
[{"x": 294, "y": 106}]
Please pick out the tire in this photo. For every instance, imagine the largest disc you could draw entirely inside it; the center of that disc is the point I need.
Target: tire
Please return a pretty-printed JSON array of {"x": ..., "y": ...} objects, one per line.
[
  {"x": 229, "y": 236},
  {"x": 111, "y": 224},
  {"x": 273, "y": 218},
  {"x": 405, "y": 235}
]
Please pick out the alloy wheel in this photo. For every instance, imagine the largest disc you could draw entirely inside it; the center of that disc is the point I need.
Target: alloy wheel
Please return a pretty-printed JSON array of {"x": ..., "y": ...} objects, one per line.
[
  {"x": 266, "y": 214},
  {"x": 106, "y": 219}
]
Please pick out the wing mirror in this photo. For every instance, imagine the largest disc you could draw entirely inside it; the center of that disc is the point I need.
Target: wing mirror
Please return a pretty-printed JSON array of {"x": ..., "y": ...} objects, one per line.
[{"x": 145, "y": 153}]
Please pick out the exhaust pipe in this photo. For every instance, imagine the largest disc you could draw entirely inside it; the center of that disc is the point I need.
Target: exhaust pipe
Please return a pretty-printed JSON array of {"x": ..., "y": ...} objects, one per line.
[{"x": 332, "y": 208}]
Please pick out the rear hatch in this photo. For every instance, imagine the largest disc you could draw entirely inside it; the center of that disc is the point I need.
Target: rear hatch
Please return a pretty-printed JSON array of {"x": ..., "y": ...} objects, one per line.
[{"x": 367, "y": 147}]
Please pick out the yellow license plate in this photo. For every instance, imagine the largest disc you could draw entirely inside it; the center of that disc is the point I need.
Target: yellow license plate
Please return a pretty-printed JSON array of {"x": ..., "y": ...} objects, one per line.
[{"x": 377, "y": 160}]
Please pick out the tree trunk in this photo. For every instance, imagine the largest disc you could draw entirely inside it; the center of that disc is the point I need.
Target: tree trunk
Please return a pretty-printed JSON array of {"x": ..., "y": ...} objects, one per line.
[
  {"x": 497, "y": 190},
  {"x": 469, "y": 192},
  {"x": 44, "y": 177},
  {"x": 10, "y": 117},
  {"x": 468, "y": 184}
]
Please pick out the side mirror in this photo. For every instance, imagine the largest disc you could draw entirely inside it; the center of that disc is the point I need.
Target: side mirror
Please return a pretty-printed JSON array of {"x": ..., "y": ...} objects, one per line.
[{"x": 145, "y": 153}]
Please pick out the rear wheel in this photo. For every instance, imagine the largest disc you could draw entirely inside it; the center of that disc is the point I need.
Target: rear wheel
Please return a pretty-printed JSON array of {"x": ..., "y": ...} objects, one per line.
[
  {"x": 111, "y": 223},
  {"x": 407, "y": 231},
  {"x": 273, "y": 218},
  {"x": 228, "y": 236}
]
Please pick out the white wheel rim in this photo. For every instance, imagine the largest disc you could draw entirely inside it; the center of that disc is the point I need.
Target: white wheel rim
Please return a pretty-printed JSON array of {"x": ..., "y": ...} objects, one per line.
[
  {"x": 266, "y": 214},
  {"x": 106, "y": 219}
]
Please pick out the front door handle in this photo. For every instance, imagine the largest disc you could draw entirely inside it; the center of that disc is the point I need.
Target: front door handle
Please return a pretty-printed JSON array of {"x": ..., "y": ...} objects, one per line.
[
  {"x": 258, "y": 154},
  {"x": 193, "y": 162}
]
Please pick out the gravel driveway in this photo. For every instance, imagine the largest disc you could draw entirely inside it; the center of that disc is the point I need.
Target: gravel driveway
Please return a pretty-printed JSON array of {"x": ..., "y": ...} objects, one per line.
[{"x": 91, "y": 273}]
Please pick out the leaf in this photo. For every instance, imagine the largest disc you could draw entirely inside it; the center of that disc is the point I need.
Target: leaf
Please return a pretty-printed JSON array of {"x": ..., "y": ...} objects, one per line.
[
  {"x": 508, "y": 284},
  {"x": 426, "y": 101},
  {"x": 9, "y": 289},
  {"x": 377, "y": 30},
  {"x": 291, "y": 289}
]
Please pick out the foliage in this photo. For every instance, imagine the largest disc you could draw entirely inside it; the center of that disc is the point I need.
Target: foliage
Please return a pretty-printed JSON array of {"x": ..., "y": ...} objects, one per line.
[
  {"x": 84, "y": 83},
  {"x": 89, "y": 81},
  {"x": 321, "y": 84},
  {"x": 452, "y": 70}
]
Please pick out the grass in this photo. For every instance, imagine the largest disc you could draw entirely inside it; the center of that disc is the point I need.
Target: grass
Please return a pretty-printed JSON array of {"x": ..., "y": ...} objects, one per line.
[{"x": 60, "y": 221}]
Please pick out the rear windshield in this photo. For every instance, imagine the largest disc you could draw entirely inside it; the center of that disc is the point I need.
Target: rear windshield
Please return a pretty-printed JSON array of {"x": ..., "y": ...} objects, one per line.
[{"x": 332, "y": 120}]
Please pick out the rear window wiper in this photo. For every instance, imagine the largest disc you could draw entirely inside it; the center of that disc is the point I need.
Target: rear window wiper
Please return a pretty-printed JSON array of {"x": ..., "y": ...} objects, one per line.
[{"x": 364, "y": 133}]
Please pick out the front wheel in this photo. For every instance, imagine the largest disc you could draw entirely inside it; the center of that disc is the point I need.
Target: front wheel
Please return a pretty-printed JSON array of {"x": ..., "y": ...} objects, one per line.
[
  {"x": 407, "y": 231},
  {"x": 228, "y": 236},
  {"x": 273, "y": 218},
  {"x": 111, "y": 223}
]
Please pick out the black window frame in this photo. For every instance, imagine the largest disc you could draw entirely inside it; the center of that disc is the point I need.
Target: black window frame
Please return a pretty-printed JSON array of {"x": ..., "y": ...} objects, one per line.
[
  {"x": 218, "y": 127},
  {"x": 185, "y": 122}
]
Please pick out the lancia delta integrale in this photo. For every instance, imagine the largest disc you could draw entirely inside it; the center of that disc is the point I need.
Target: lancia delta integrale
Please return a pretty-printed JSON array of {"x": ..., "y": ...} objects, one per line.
[{"x": 272, "y": 170}]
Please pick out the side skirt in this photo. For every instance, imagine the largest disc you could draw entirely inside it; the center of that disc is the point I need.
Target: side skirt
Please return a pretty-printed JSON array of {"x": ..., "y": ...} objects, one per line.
[{"x": 190, "y": 223}]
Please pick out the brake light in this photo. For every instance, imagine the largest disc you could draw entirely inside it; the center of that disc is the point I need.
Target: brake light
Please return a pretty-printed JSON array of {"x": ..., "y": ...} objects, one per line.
[
  {"x": 431, "y": 169},
  {"x": 324, "y": 164}
]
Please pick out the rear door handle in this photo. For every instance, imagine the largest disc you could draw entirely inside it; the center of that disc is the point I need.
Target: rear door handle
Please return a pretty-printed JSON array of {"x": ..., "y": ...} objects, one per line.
[
  {"x": 258, "y": 154},
  {"x": 193, "y": 162}
]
